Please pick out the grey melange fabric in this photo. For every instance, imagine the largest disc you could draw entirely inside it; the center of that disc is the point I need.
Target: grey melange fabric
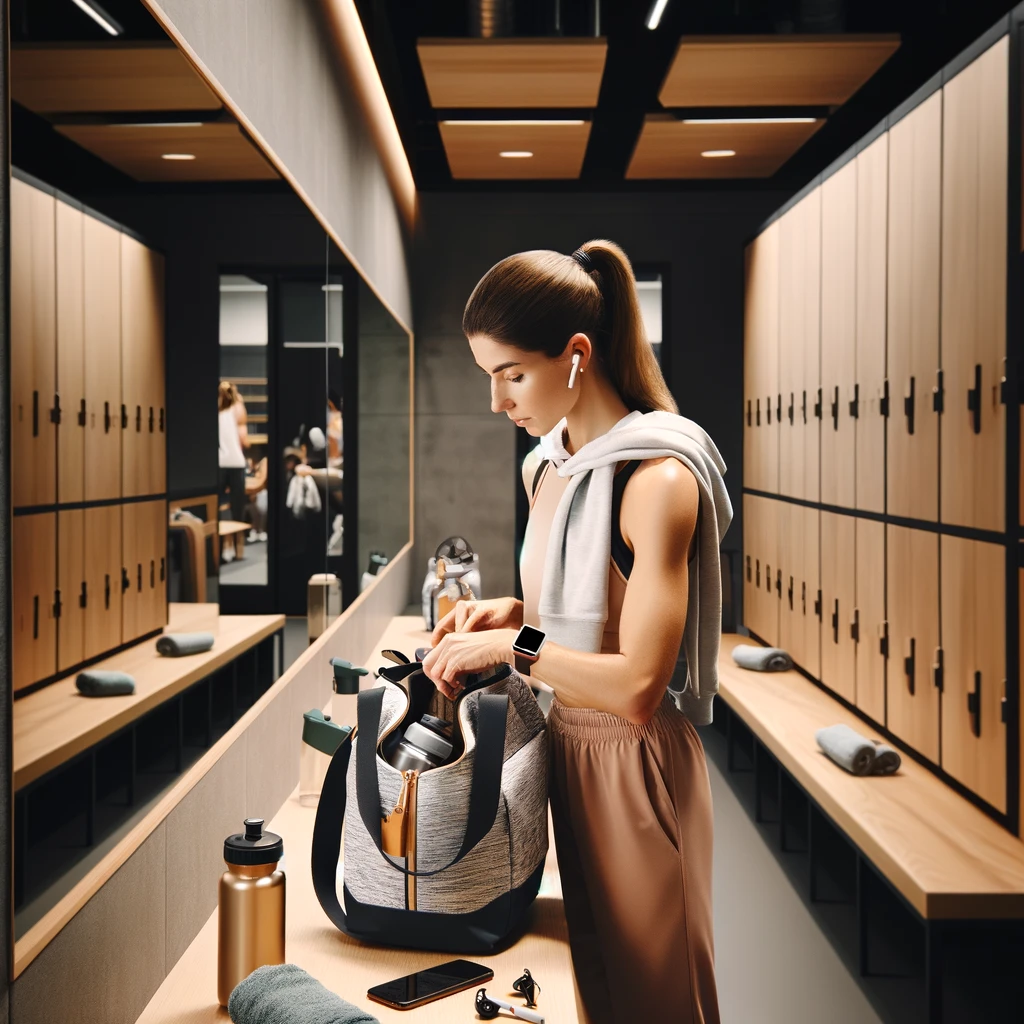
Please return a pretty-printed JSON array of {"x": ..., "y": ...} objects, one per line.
[
  {"x": 762, "y": 659},
  {"x": 286, "y": 994},
  {"x": 177, "y": 645},
  {"x": 573, "y": 605},
  {"x": 856, "y": 753},
  {"x": 97, "y": 682}
]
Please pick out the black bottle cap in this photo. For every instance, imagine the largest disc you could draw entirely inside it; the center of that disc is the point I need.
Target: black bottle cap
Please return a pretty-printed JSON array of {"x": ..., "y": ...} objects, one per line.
[
  {"x": 253, "y": 846},
  {"x": 439, "y": 725}
]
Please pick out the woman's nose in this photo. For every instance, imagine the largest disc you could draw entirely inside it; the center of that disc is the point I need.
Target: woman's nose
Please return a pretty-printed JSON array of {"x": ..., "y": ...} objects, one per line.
[{"x": 499, "y": 402}]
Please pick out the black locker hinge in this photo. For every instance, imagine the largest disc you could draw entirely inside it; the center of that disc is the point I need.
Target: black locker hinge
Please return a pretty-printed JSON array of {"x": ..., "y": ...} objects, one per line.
[
  {"x": 55, "y": 412},
  {"x": 81, "y": 414},
  {"x": 818, "y": 411},
  {"x": 152, "y": 420},
  {"x": 909, "y": 665},
  {"x": 883, "y": 639},
  {"x": 855, "y": 402},
  {"x": 83, "y": 597},
  {"x": 759, "y": 412},
  {"x": 974, "y": 399},
  {"x": 789, "y": 593},
  {"x": 749, "y": 571},
  {"x": 58, "y": 606},
  {"x": 974, "y": 705},
  {"x": 835, "y": 621},
  {"x": 883, "y": 402},
  {"x": 35, "y": 413},
  {"x": 803, "y": 407},
  {"x": 939, "y": 669},
  {"x": 817, "y": 605},
  {"x": 855, "y": 626},
  {"x": 908, "y": 405},
  {"x": 106, "y": 418},
  {"x": 138, "y": 419},
  {"x": 939, "y": 393},
  {"x": 126, "y": 582},
  {"x": 835, "y": 408},
  {"x": 748, "y": 415},
  {"x": 124, "y": 416},
  {"x": 106, "y": 590},
  {"x": 792, "y": 405},
  {"x": 163, "y": 570}
]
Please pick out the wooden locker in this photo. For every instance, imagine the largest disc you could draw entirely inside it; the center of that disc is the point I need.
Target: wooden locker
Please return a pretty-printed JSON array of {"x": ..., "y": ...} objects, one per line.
[
  {"x": 790, "y": 372},
  {"x": 70, "y": 356},
  {"x": 70, "y": 580},
  {"x": 34, "y": 582},
  {"x": 770, "y": 569},
  {"x": 838, "y": 595},
  {"x": 798, "y": 556},
  {"x": 838, "y": 334},
  {"x": 912, "y": 603},
  {"x": 871, "y": 273},
  {"x": 154, "y": 514},
  {"x": 751, "y": 342},
  {"x": 761, "y": 339},
  {"x": 810, "y": 537},
  {"x": 915, "y": 167},
  {"x": 750, "y": 529},
  {"x": 33, "y": 346},
  {"x": 102, "y": 328},
  {"x": 133, "y": 554},
  {"x": 974, "y": 211},
  {"x": 869, "y": 617},
  {"x": 142, "y": 376},
  {"x": 103, "y": 579},
  {"x": 974, "y": 665}
]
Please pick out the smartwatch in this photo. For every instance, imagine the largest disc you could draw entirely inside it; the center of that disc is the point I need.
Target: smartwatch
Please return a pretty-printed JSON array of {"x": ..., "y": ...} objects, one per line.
[{"x": 526, "y": 648}]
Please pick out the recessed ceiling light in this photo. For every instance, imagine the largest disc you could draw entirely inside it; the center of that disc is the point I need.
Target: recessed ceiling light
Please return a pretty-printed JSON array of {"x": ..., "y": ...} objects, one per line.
[
  {"x": 179, "y": 156},
  {"x": 654, "y": 16},
  {"x": 531, "y": 123},
  {"x": 515, "y": 154},
  {"x": 718, "y": 152},
  {"x": 100, "y": 16},
  {"x": 750, "y": 120}
]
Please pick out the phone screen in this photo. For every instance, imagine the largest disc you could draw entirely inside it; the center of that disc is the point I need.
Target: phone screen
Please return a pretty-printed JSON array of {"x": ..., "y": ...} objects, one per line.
[{"x": 431, "y": 983}]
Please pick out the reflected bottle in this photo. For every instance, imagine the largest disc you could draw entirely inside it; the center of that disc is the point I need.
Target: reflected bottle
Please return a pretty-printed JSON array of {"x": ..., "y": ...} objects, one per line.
[
  {"x": 346, "y": 691},
  {"x": 320, "y": 739},
  {"x": 250, "y": 906}
]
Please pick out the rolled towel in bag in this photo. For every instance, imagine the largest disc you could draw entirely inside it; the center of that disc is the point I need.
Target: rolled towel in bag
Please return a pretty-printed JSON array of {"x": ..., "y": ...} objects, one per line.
[
  {"x": 104, "y": 683},
  {"x": 847, "y": 748},
  {"x": 286, "y": 994},
  {"x": 176, "y": 645},
  {"x": 762, "y": 659}
]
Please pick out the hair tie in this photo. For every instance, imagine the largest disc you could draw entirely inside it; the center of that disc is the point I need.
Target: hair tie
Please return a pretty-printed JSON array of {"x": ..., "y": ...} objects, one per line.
[{"x": 583, "y": 259}]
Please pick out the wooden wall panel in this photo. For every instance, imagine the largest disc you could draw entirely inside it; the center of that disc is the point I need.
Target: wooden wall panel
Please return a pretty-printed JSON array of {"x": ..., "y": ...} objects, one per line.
[
  {"x": 871, "y": 665},
  {"x": 974, "y": 214},
  {"x": 838, "y": 591},
  {"x": 974, "y": 653},
  {"x": 70, "y": 577},
  {"x": 70, "y": 354},
  {"x": 33, "y": 346},
  {"x": 912, "y": 603},
  {"x": 838, "y": 334},
  {"x": 872, "y": 251},
  {"x": 915, "y": 165},
  {"x": 34, "y": 580},
  {"x": 102, "y": 571}
]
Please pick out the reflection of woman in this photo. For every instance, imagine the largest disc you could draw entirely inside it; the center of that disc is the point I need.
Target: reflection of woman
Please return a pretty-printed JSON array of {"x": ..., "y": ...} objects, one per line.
[
  {"x": 630, "y": 795},
  {"x": 234, "y": 439},
  {"x": 334, "y": 444}
]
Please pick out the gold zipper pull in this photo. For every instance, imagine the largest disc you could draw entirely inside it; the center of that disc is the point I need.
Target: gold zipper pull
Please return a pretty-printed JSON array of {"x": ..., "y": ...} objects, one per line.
[{"x": 393, "y": 826}]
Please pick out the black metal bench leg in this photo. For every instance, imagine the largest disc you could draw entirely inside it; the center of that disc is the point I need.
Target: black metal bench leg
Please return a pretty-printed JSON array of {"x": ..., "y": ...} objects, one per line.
[
  {"x": 934, "y": 939},
  {"x": 758, "y": 814},
  {"x": 862, "y": 918}
]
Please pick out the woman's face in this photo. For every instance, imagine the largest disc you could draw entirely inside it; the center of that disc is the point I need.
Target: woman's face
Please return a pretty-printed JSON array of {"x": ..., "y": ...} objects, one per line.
[{"x": 528, "y": 387}]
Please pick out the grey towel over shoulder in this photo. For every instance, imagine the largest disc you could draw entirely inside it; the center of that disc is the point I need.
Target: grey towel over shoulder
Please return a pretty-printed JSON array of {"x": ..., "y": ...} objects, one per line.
[
  {"x": 98, "y": 682},
  {"x": 856, "y": 753},
  {"x": 573, "y": 605},
  {"x": 762, "y": 659},
  {"x": 176, "y": 645},
  {"x": 286, "y": 994}
]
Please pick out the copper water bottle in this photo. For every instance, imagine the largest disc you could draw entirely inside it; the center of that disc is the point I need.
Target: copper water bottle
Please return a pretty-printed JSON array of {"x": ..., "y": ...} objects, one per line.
[{"x": 250, "y": 906}]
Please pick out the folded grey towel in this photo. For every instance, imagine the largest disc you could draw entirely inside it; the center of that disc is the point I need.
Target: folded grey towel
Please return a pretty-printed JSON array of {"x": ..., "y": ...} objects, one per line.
[
  {"x": 761, "y": 659},
  {"x": 856, "y": 753},
  {"x": 286, "y": 994},
  {"x": 99, "y": 683},
  {"x": 175, "y": 645}
]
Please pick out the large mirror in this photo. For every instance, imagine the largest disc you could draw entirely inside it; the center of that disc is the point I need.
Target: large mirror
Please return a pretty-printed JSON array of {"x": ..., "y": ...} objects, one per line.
[{"x": 160, "y": 265}]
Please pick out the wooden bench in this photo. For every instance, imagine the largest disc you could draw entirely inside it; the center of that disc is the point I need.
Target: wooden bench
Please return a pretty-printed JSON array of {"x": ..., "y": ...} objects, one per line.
[
  {"x": 949, "y": 862},
  {"x": 230, "y": 529}
]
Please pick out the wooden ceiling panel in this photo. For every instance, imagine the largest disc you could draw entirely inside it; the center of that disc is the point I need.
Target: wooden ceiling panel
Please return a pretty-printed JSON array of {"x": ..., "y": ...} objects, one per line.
[
  {"x": 523, "y": 73},
  {"x": 474, "y": 150},
  {"x": 221, "y": 151},
  {"x": 96, "y": 79},
  {"x": 765, "y": 71},
  {"x": 669, "y": 148}
]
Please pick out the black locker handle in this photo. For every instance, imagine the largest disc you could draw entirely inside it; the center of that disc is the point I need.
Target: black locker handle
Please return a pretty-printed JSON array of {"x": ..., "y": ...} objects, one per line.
[
  {"x": 883, "y": 640},
  {"x": 909, "y": 665},
  {"x": 792, "y": 404},
  {"x": 908, "y": 405},
  {"x": 161, "y": 419},
  {"x": 152, "y": 573},
  {"x": 163, "y": 570},
  {"x": 106, "y": 418},
  {"x": 778, "y": 584},
  {"x": 939, "y": 393},
  {"x": 778, "y": 407},
  {"x": 58, "y": 604},
  {"x": 124, "y": 416},
  {"x": 883, "y": 402},
  {"x": 106, "y": 590},
  {"x": 790, "y": 593},
  {"x": 138, "y": 419},
  {"x": 974, "y": 705},
  {"x": 138, "y": 576},
  {"x": 759, "y": 412},
  {"x": 83, "y": 598},
  {"x": 939, "y": 670},
  {"x": 855, "y": 626},
  {"x": 35, "y": 617},
  {"x": 126, "y": 582},
  {"x": 81, "y": 414},
  {"x": 748, "y": 415},
  {"x": 818, "y": 410},
  {"x": 817, "y": 605},
  {"x": 152, "y": 419},
  {"x": 835, "y": 621},
  {"x": 803, "y": 598},
  {"x": 855, "y": 402},
  {"x": 55, "y": 412},
  {"x": 748, "y": 569},
  {"x": 835, "y": 408},
  {"x": 757, "y": 572},
  {"x": 35, "y": 413},
  {"x": 974, "y": 399},
  {"x": 767, "y": 577},
  {"x": 768, "y": 408},
  {"x": 803, "y": 406}
]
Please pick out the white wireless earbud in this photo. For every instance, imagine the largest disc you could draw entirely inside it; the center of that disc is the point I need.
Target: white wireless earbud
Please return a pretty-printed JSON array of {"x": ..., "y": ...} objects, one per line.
[
  {"x": 575, "y": 366},
  {"x": 488, "y": 1007}
]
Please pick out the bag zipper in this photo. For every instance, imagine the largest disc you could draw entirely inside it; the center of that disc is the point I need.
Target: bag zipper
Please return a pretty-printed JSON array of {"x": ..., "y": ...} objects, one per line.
[{"x": 398, "y": 831}]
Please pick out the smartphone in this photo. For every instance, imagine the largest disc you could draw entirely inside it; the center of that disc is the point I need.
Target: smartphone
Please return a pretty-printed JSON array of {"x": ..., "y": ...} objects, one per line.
[{"x": 433, "y": 983}]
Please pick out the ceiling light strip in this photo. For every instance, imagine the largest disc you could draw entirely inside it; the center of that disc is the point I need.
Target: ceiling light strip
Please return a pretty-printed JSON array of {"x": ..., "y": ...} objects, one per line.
[
  {"x": 100, "y": 16},
  {"x": 750, "y": 120},
  {"x": 654, "y": 17},
  {"x": 530, "y": 123}
]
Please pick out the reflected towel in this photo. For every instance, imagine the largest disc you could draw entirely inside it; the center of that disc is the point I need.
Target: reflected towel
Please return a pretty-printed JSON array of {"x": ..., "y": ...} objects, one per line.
[
  {"x": 175, "y": 645},
  {"x": 856, "y": 753},
  {"x": 761, "y": 659},
  {"x": 99, "y": 683},
  {"x": 286, "y": 994}
]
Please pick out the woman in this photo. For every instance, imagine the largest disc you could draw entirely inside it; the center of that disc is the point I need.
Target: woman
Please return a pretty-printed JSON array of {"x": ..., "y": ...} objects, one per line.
[
  {"x": 619, "y": 567},
  {"x": 234, "y": 439}
]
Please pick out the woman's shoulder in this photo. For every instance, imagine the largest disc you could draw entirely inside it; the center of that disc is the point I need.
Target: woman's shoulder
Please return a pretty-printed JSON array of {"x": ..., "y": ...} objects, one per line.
[
  {"x": 531, "y": 464},
  {"x": 661, "y": 496}
]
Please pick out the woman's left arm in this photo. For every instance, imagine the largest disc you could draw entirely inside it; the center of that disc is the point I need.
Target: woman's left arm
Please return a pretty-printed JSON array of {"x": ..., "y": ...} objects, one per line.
[{"x": 659, "y": 518}]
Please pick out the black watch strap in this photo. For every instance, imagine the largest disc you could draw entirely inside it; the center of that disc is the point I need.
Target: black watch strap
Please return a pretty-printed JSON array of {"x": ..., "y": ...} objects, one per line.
[{"x": 523, "y": 665}]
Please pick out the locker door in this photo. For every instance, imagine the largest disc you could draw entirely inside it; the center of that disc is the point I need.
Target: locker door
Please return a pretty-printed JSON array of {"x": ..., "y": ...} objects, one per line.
[
  {"x": 812, "y": 616},
  {"x": 133, "y": 554},
  {"x": 102, "y": 328},
  {"x": 974, "y": 212},
  {"x": 809, "y": 352},
  {"x": 70, "y": 580},
  {"x": 790, "y": 372},
  {"x": 768, "y": 366},
  {"x": 915, "y": 165},
  {"x": 70, "y": 356},
  {"x": 156, "y": 462},
  {"x": 33, "y": 346},
  {"x": 102, "y": 579},
  {"x": 838, "y": 334},
  {"x": 761, "y": 360},
  {"x": 791, "y": 563},
  {"x": 974, "y": 666},
  {"x": 770, "y": 569},
  {"x": 154, "y": 567},
  {"x": 34, "y": 572},
  {"x": 912, "y": 588},
  {"x": 751, "y": 535},
  {"x": 869, "y": 424},
  {"x": 752, "y": 328},
  {"x": 838, "y": 590},
  {"x": 869, "y": 617}
]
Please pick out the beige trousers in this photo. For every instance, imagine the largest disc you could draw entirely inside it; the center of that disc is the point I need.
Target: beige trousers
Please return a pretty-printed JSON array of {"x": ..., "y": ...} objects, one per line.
[{"x": 631, "y": 807}]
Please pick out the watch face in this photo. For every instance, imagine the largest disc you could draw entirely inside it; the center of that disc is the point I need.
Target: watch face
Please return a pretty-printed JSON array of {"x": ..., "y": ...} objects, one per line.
[{"x": 529, "y": 640}]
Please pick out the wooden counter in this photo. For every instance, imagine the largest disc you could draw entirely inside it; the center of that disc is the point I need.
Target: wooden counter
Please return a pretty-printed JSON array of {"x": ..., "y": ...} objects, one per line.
[{"x": 189, "y": 993}]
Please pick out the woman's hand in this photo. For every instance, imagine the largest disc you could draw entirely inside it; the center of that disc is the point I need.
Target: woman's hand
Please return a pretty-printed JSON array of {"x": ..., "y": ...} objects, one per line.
[
  {"x": 471, "y": 616},
  {"x": 458, "y": 654}
]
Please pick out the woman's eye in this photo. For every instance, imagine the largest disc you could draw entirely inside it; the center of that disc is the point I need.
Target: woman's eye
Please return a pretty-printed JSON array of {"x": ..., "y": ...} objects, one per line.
[{"x": 516, "y": 380}]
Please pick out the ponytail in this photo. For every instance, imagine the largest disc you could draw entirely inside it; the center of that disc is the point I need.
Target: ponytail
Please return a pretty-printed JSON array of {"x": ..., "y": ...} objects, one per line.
[{"x": 538, "y": 300}]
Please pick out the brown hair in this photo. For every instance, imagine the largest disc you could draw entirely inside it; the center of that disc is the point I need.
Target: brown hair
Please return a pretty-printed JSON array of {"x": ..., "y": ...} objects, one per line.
[
  {"x": 227, "y": 395},
  {"x": 538, "y": 300}
]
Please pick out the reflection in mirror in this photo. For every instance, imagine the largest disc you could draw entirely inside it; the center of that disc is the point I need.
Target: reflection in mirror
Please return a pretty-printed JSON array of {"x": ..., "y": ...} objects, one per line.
[{"x": 649, "y": 291}]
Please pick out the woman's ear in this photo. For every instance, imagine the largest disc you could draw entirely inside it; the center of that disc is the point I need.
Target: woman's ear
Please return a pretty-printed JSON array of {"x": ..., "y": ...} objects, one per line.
[{"x": 581, "y": 343}]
